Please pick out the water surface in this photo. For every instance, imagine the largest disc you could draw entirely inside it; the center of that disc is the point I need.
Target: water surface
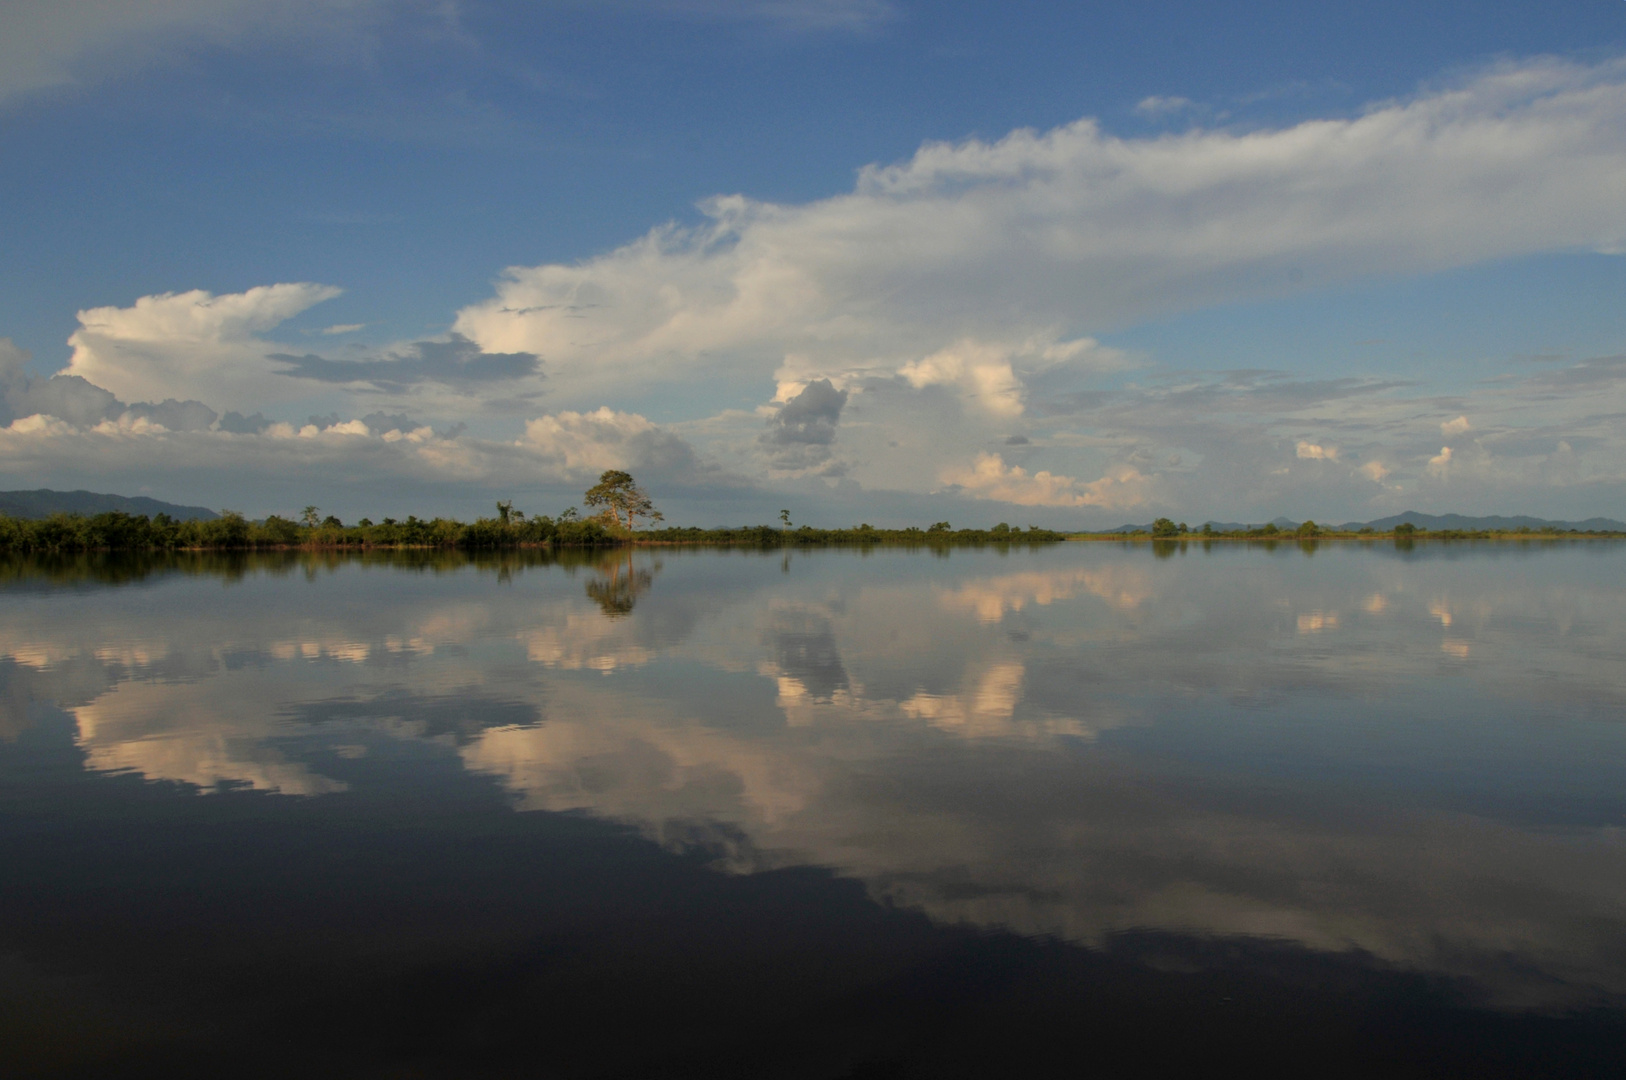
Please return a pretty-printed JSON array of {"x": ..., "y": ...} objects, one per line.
[{"x": 1348, "y": 808}]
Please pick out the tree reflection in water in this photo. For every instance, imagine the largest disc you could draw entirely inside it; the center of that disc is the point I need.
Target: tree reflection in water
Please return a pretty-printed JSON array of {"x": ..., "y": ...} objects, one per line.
[{"x": 619, "y": 584}]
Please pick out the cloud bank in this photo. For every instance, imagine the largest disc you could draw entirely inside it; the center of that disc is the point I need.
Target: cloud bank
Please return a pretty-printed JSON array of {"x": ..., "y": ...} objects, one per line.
[
  {"x": 1040, "y": 238},
  {"x": 936, "y": 331}
]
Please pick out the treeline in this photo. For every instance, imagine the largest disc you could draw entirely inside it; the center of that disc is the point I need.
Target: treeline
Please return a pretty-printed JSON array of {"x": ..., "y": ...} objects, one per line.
[
  {"x": 808, "y": 536},
  {"x": 117, "y": 531}
]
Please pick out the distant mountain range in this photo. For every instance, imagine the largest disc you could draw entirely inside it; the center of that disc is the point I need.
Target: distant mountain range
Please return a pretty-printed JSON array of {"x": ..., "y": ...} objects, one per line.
[
  {"x": 1432, "y": 522},
  {"x": 44, "y": 502}
]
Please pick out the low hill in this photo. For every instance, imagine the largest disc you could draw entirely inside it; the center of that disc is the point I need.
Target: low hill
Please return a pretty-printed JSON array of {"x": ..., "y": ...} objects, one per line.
[
  {"x": 1432, "y": 522},
  {"x": 44, "y": 502},
  {"x": 1218, "y": 526}
]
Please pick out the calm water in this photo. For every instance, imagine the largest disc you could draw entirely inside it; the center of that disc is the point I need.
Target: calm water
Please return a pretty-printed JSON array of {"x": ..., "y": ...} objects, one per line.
[{"x": 1090, "y": 809}]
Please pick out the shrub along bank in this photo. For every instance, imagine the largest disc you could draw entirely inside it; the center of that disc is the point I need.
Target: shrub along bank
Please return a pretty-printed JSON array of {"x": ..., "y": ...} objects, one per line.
[
  {"x": 130, "y": 532},
  {"x": 807, "y": 536},
  {"x": 118, "y": 531}
]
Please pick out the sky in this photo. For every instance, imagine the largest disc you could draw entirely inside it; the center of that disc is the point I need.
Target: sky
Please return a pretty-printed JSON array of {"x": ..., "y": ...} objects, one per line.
[{"x": 1073, "y": 264}]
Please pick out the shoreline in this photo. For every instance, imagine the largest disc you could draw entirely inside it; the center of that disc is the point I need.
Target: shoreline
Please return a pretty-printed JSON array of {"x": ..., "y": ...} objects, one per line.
[{"x": 758, "y": 545}]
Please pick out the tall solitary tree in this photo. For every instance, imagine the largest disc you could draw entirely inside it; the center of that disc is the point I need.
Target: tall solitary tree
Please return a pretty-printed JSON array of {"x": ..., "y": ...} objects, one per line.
[{"x": 618, "y": 493}]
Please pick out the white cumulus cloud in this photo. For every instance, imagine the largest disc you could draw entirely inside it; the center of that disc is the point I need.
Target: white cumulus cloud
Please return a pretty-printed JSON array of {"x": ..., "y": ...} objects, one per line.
[
  {"x": 1072, "y": 231},
  {"x": 561, "y": 450},
  {"x": 582, "y": 444},
  {"x": 1374, "y": 471},
  {"x": 947, "y": 303},
  {"x": 990, "y": 478},
  {"x": 191, "y": 345},
  {"x": 982, "y": 373}
]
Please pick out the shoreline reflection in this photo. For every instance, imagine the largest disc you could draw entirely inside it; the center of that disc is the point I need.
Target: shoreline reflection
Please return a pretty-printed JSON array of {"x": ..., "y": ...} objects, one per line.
[{"x": 1412, "y": 758}]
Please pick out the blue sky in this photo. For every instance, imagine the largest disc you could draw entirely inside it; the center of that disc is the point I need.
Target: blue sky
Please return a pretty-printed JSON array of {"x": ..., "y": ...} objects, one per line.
[{"x": 1077, "y": 263}]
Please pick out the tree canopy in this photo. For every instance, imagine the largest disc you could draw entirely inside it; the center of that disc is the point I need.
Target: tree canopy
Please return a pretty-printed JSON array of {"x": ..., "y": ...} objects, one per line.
[{"x": 619, "y": 494}]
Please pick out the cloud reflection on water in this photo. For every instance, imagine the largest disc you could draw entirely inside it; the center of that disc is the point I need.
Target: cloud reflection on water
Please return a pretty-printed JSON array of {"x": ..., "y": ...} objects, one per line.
[{"x": 1074, "y": 742}]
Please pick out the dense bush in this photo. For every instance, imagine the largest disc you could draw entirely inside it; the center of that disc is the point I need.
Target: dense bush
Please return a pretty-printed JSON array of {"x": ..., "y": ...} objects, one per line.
[
  {"x": 125, "y": 532},
  {"x": 807, "y": 536},
  {"x": 117, "y": 531}
]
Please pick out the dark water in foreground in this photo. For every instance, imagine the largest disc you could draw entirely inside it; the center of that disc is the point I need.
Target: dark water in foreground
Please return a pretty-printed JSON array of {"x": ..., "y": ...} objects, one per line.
[{"x": 1081, "y": 810}]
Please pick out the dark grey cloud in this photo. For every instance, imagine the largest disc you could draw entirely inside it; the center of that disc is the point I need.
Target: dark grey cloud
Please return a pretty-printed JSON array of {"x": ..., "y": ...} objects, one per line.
[
  {"x": 1017, "y": 440},
  {"x": 238, "y": 424},
  {"x": 801, "y": 433},
  {"x": 380, "y": 422},
  {"x": 66, "y": 397},
  {"x": 803, "y": 645},
  {"x": 810, "y": 417},
  {"x": 175, "y": 415},
  {"x": 457, "y": 362},
  {"x": 81, "y": 402}
]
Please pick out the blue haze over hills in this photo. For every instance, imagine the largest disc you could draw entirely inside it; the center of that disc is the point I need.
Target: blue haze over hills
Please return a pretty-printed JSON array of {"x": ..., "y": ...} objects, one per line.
[
  {"x": 1433, "y": 522},
  {"x": 43, "y": 502}
]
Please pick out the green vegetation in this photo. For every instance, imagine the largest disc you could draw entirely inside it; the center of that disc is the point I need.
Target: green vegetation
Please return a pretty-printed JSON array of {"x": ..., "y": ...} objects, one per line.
[
  {"x": 622, "y": 502},
  {"x": 618, "y": 494},
  {"x": 117, "y": 531},
  {"x": 510, "y": 529},
  {"x": 939, "y": 534}
]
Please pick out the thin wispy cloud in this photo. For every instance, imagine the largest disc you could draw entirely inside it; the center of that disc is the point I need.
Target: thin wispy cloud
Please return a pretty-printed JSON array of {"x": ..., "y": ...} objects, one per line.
[
  {"x": 46, "y": 43},
  {"x": 785, "y": 15},
  {"x": 1160, "y": 105}
]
